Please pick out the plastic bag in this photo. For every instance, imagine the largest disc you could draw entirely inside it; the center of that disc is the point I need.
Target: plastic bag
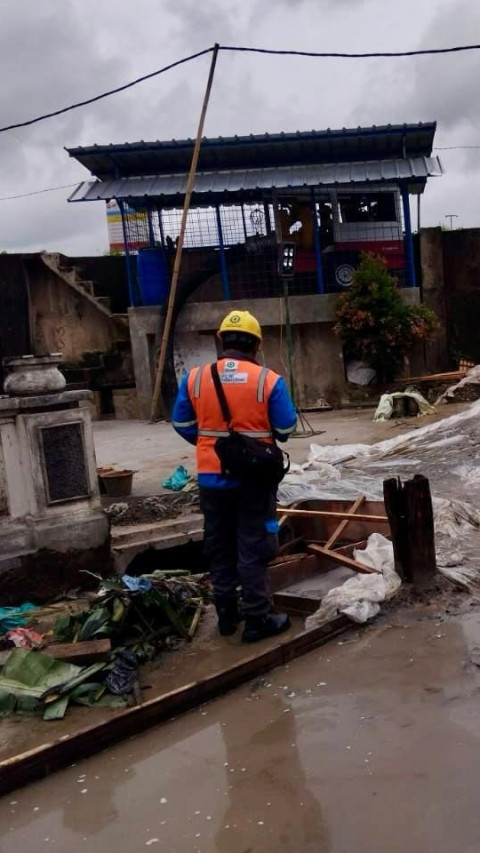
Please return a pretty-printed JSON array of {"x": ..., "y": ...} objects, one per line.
[
  {"x": 359, "y": 598},
  {"x": 178, "y": 480}
]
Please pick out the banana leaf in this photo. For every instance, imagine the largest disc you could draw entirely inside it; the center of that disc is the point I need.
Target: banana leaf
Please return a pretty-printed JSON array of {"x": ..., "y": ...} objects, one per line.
[
  {"x": 56, "y": 710},
  {"x": 98, "y": 622}
]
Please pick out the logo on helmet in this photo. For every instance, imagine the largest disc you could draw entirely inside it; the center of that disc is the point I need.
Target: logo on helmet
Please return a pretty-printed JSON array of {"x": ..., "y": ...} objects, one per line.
[{"x": 235, "y": 319}]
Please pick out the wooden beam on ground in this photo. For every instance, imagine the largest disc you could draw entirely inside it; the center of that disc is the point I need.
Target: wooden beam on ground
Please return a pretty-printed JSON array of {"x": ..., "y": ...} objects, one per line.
[
  {"x": 343, "y": 560},
  {"x": 320, "y": 513},
  {"x": 42, "y": 760},
  {"x": 343, "y": 524},
  {"x": 85, "y": 653}
]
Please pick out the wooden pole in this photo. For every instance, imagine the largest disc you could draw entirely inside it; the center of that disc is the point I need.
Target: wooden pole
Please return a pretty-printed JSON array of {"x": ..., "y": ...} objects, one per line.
[
  {"x": 410, "y": 511},
  {"x": 320, "y": 513},
  {"x": 181, "y": 237}
]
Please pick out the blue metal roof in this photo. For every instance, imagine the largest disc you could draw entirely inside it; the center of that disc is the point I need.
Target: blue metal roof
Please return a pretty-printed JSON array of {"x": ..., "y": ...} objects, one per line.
[
  {"x": 230, "y": 185},
  {"x": 258, "y": 151}
]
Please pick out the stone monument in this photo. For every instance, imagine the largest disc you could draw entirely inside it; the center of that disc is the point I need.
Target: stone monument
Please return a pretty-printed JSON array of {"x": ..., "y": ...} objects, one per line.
[{"x": 53, "y": 530}]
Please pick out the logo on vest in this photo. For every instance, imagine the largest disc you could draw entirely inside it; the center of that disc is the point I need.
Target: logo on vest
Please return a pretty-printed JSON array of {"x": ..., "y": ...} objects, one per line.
[
  {"x": 233, "y": 378},
  {"x": 231, "y": 365}
]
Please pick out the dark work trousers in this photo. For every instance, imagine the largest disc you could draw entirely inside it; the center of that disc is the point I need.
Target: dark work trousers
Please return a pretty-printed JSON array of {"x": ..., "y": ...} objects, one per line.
[{"x": 238, "y": 545}]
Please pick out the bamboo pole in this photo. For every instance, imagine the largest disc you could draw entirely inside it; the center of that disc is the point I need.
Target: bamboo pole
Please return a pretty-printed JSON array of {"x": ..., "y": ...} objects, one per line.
[{"x": 181, "y": 237}]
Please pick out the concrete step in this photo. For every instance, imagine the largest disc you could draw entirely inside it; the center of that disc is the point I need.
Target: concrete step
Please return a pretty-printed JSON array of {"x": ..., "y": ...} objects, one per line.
[
  {"x": 158, "y": 532},
  {"x": 87, "y": 286},
  {"x": 105, "y": 301}
]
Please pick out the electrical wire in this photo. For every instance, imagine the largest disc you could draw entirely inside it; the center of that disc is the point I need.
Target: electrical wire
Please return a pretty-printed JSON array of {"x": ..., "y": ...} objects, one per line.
[
  {"x": 106, "y": 94},
  {"x": 38, "y": 192},
  {"x": 336, "y": 55},
  {"x": 240, "y": 49}
]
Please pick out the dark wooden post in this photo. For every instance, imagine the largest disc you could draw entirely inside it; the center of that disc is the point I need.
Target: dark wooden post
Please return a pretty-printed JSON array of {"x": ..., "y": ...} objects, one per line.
[{"x": 410, "y": 513}]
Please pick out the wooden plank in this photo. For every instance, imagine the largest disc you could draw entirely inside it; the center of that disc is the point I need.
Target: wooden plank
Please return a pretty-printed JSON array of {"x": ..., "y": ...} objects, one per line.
[
  {"x": 298, "y": 567},
  {"x": 86, "y": 652},
  {"x": 39, "y": 762},
  {"x": 343, "y": 560},
  {"x": 296, "y": 605},
  {"x": 343, "y": 524},
  {"x": 320, "y": 513},
  {"x": 291, "y": 544}
]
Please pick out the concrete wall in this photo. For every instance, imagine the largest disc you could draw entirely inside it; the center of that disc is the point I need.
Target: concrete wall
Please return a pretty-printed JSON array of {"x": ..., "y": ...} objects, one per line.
[
  {"x": 461, "y": 269},
  {"x": 317, "y": 351},
  {"x": 62, "y": 321},
  {"x": 451, "y": 285}
]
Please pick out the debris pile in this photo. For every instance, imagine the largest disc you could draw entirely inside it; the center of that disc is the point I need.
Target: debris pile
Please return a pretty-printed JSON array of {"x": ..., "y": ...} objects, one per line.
[
  {"x": 465, "y": 391},
  {"x": 130, "y": 620},
  {"x": 140, "y": 510}
]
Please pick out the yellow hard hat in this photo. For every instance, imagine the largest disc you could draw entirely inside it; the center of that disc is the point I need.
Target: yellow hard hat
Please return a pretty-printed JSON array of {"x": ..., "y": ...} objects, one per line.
[{"x": 241, "y": 321}]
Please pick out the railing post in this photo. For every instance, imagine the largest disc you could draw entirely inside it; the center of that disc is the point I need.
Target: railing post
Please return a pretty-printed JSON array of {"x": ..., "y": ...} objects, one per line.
[
  {"x": 223, "y": 259},
  {"x": 408, "y": 236},
  {"x": 317, "y": 244}
]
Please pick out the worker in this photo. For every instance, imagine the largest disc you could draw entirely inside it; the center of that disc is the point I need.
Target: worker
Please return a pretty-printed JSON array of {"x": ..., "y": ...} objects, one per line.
[{"x": 241, "y": 529}]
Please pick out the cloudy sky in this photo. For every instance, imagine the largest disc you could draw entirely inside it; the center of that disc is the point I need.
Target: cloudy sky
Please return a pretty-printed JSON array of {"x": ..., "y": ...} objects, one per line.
[{"x": 55, "y": 52}]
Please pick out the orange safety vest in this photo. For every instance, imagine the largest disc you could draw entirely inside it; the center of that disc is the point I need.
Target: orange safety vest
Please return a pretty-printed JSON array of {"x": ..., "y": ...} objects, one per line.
[{"x": 247, "y": 388}]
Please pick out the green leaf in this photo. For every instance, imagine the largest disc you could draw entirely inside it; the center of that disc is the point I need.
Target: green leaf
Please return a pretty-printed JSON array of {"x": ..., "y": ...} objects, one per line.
[
  {"x": 56, "y": 710},
  {"x": 7, "y": 702},
  {"x": 98, "y": 622}
]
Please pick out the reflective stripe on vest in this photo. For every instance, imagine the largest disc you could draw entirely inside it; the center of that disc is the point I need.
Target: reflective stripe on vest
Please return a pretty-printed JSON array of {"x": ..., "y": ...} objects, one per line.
[
  {"x": 198, "y": 382},
  {"x": 219, "y": 433},
  {"x": 248, "y": 401},
  {"x": 261, "y": 385}
]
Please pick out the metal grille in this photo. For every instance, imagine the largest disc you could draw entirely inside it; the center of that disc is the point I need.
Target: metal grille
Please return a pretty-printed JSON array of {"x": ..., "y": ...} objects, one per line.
[{"x": 230, "y": 251}]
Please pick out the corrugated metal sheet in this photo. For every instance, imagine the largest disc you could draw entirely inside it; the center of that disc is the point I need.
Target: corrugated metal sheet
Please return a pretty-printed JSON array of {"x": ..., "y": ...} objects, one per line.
[
  {"x": 226, "y": 184},
  {"x": 133, "y": 159}
]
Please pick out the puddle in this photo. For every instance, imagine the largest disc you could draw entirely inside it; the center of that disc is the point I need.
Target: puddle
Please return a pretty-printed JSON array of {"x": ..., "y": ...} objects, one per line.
[{"x": 368, "y": 746}]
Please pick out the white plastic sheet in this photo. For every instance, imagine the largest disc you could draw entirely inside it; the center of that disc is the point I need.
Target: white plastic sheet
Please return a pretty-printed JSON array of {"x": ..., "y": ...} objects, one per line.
[
  {"x": 384, "y": 409},
  {"x": 360, "y": 597}
]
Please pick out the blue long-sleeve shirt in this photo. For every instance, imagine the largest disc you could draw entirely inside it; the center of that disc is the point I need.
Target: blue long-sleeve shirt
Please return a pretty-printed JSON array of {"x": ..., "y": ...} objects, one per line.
[{"x": 281, "y": 413}]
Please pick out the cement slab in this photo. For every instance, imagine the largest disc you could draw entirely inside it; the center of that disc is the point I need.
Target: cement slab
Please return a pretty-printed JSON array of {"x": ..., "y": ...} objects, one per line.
[{"x": 153, "y": 451}]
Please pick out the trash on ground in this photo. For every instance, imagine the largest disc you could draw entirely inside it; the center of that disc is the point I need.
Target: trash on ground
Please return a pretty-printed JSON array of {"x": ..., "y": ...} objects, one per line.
[
  {"x": 14, "y": 617},
  {"x": 177, "y": 480},
  {"x": 360, "y": 373},
  {"x": 359, "y": 597},
  {"x": 127, "y": 622},
  {"x": 466, "y": 390},
  {"x": 25, "y": 638}
]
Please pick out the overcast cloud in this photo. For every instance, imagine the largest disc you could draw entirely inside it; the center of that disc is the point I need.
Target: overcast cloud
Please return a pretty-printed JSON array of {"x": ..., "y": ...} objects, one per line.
[{"x": 58, "y": 51}]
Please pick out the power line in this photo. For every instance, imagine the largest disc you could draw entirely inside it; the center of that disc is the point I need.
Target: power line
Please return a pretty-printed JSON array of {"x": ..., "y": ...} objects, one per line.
[
  {"x": 332, "y": 55},
  {"x": 38, "y": 192},
  {"x": 105, "y": 94},
  {"x": 239, "y": 49}
]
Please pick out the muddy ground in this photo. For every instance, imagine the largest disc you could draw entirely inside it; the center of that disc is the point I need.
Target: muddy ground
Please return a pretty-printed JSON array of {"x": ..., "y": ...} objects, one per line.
[{"x": 368, "y": 745}]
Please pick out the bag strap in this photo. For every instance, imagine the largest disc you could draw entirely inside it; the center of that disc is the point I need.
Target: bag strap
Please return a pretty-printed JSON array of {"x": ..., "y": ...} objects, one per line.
[{"x": 221, "y": 396}]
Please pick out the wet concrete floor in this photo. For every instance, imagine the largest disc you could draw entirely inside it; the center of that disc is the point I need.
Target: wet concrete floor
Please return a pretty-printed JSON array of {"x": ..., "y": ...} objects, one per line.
[{"x": 369, "y": 744}]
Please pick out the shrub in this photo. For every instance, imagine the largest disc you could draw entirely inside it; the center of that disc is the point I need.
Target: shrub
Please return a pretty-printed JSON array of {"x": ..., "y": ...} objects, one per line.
[{"x": 374, "y": 322}]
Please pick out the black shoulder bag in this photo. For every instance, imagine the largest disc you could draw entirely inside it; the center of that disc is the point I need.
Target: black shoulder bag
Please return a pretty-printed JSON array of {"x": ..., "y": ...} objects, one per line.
[{"x": 245, "y": 458}]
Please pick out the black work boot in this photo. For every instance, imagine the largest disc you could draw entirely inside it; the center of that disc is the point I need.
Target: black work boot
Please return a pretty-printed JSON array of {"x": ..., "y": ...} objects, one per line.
[
  {"x": 259, "y": 627},
  {"x": 229, "y": 616}
]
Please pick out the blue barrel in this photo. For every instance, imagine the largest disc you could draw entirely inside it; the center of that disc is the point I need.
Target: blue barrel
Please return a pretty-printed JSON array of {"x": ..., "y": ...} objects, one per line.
[{"x": 153, "y": 271}]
